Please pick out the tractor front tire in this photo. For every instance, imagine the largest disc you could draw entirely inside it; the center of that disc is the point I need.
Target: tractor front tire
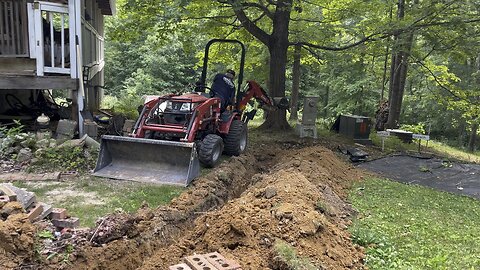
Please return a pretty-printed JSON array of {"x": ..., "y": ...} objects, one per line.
[
  {"x": 210, "y": 150},
  {"x": 237, "y": 138}
]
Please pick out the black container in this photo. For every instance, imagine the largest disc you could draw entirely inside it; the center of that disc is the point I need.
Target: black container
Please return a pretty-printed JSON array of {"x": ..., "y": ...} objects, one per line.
[{"x": 356, "y": 127}]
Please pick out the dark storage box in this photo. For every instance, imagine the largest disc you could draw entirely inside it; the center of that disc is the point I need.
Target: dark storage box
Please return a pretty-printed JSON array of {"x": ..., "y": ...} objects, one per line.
[{"x": 356, "y": 127}]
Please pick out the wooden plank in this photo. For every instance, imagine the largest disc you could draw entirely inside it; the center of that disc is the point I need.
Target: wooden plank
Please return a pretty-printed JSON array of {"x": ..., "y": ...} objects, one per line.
[
  {"x": 17, "y": 25},
  {"x": 26, "y": 198},
  {"x": 34, "y": 82},
  {"x": 52, "y": 39},
  {"x": 34, "y": 211},
  {"x": 63, "y": 41},
  {"x": 30, "y": 177},
  {"x": 12, "y": 196},
  {"x": 47, "y": 209},
  {"x": 12, "y": 30},
  {"x": 24, "y": 29},
  {"x": 57, "y": 70},
  {"x": 17, "y": 66},
  {"x": 7, "y": 29},
  {"x": 31, "y": 31},
  {"x": 2, "y": 41}
]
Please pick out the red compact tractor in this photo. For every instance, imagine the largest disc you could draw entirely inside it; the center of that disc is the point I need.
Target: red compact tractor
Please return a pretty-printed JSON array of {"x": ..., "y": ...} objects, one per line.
[{"x": 176, "y": 132}]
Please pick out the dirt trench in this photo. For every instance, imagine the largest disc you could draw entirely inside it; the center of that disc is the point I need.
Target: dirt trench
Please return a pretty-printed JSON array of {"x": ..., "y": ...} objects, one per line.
[{"x": 278, "y": 193}]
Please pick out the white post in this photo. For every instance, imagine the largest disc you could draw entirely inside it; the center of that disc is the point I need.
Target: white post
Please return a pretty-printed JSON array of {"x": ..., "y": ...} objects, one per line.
[
  {"x": 39, "y": 38},
  {"x": 63, "y": 40},
  {"x": 52, "y": 39},
  {"x": 72, "y": 33},
  {"x": 80, "y": 93},
  {"x": 31, "y": 31}
]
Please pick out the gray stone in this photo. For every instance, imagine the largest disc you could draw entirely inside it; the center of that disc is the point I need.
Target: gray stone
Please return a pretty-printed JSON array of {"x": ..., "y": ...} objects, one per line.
[
  {"x": 24, "y": 154},
  {"x": 53, "y": 143},
  {"x": 66, "y": 129},
  {"x": 270, "y": 192},
  {"x": 39, "y": 153},
  {"x": 44, "y": 143},
  {"x": 26, "y": 198}
]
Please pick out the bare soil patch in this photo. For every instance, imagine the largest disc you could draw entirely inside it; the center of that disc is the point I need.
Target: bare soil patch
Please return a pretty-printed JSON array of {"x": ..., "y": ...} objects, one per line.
[
  {"x": 17, "y": 236},
  {"x": 280, "y": 192}
]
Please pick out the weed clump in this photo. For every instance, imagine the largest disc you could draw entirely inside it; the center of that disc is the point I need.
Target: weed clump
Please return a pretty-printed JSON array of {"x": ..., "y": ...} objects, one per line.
[
  {"x": 64, "y": 159},
  {"x": 285, "y": 257}
]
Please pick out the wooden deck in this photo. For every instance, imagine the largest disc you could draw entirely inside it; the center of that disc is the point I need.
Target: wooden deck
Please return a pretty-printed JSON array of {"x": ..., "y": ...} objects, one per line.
[{"x": 9, "y": 81}]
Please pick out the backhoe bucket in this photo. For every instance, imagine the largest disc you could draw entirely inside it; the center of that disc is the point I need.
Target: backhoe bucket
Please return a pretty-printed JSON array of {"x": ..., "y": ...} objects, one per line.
[{"x": 147, "y": 160}]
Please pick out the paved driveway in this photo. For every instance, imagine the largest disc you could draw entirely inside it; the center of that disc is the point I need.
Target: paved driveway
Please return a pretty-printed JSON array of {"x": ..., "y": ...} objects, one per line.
[{"x": 431, "y": 172}]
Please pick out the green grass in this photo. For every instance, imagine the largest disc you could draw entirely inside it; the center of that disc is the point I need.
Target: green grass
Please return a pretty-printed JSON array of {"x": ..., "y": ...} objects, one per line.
[
  {"x": 289, "y": 256},
  {"x": 104, "y": 196},
  {"x": 412, "y": 227},
  {"x": 394, "y": 144},
  {"x": 454, "y": 152}
]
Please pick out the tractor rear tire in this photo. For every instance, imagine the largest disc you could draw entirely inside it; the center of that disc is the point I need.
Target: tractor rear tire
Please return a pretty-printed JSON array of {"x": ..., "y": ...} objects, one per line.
[
  {"x": 210, "y": 150},
  {"x": 237, "y": 139}
]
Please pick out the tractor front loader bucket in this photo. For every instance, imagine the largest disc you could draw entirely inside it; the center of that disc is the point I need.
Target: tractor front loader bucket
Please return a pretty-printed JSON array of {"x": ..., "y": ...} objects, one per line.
[{"x": 147, "y": 160}]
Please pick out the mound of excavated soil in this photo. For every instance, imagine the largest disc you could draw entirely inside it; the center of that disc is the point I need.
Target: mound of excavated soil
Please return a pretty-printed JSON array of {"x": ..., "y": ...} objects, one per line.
[
  {"x": 17, "y": 236},
  {"x": 297, "y": 204},
  {"x": 278, "y": 192}
]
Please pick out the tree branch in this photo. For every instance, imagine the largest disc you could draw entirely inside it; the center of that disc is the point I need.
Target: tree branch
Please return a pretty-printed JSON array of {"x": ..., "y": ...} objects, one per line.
[
  {"x": 342, "y": 48},
  {"x": 248, "y": 24},
  {"x": 451, "y": 92},
  {"x": 314, "y": 54},
  {"x": 259, "y": 6}
]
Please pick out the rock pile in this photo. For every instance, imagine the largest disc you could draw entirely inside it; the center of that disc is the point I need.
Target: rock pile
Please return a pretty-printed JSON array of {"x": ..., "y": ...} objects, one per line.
[{"x": 23, "y": 221}]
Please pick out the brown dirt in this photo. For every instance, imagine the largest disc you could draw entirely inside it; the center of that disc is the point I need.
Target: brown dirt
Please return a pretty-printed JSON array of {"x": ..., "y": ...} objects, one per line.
[
  {"x": 17, "y": 237},
  {"x": 247, "y": 228},
  {"x": 279, "y": 192}
]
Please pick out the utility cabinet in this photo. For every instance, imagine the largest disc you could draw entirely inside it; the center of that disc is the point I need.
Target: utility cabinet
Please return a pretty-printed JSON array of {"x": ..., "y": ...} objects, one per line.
[
  {"x": 308, "y": 128},
  {"x": 356, "y": 127}
]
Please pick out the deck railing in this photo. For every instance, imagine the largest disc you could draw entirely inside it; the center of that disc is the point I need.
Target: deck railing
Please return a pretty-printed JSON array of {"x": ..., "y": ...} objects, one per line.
[
  {"x": 13, "y": 28},
  {"x": 54, "y": 37}
]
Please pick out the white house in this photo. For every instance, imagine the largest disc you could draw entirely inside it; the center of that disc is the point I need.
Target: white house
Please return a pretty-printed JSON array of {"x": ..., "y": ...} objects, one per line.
[{"x": 38, "y": 49}]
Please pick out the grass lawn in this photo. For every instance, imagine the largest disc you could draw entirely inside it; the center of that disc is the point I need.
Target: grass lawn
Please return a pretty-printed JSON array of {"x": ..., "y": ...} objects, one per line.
[
  {"x": 413, "y": 227},
  {"x": 89, "y": 197}
]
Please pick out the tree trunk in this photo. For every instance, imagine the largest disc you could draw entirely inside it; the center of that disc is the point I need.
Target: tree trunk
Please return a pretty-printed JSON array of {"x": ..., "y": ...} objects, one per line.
[
  {"x": 398, "y": 71},
  {"x": 473, "y": 137},
  {"x": 296, "y": 83},
  {"x": 278, "y": 46},
  {"x": 385, "y": 65}
]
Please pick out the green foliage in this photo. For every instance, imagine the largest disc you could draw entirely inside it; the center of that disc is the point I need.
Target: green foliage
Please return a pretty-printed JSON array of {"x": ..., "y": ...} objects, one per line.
[
  {"x": 417, "y": 129},
  {"x": 64, "y": 159},
  {"x": 12, "y": 139},
  {"x": 413, "y": 227},
  {"x": 45, "y": 234},
  {"x": 12, "y": 131},
  {"x": 154, "y": 49},
  {"x": 289, "y": 256},
  {"x": 392, "y": 143}
]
